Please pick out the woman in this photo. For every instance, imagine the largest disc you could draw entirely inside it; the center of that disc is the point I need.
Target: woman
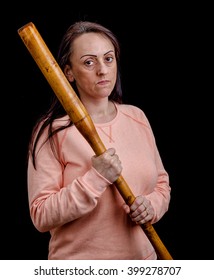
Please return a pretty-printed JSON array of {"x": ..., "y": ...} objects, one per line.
[{"x": 71, "y": 191}]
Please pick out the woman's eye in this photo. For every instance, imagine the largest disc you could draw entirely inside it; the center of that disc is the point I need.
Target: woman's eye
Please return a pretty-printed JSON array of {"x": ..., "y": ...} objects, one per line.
[
  {"x": 109, "y": 59},
  {"x": 88, "y": 62}
]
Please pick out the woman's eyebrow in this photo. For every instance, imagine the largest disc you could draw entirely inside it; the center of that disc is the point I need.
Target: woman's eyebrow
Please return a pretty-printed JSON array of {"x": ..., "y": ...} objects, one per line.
[{"x": 95, "y": 55}]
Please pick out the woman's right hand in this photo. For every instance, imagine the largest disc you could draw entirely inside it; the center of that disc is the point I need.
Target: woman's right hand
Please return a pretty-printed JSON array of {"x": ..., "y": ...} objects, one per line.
[{"x": 108, "y": 164}]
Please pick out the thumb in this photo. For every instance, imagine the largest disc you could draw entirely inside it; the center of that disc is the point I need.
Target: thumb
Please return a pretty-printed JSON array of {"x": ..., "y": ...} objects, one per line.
[{"x": 126, "y": 208}]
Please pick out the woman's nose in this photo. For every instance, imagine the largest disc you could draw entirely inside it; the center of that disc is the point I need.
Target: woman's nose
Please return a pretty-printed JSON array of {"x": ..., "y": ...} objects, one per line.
[{"x": 101, "y": 68}]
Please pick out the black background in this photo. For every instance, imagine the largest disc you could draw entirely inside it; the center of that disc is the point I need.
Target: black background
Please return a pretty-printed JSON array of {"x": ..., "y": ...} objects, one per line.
[{"x": 163, "y": 64}]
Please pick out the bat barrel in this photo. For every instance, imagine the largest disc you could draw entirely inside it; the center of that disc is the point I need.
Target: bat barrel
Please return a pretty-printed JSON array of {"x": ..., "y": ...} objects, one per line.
[{"x": 60, "y": 85}]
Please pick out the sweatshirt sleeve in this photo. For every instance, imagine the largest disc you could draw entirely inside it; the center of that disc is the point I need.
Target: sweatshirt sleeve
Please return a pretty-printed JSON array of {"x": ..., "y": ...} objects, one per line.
[
  {"x": 160, "y": 197},
  {"x": 51, "y": 203}
]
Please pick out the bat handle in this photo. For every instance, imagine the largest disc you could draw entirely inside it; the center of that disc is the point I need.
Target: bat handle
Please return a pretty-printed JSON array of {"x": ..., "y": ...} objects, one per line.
[{"x": 147, "y": 227}]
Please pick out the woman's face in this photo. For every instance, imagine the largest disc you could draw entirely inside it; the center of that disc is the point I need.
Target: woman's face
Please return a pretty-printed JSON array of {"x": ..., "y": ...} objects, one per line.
[{"x": 94, "y": 66}]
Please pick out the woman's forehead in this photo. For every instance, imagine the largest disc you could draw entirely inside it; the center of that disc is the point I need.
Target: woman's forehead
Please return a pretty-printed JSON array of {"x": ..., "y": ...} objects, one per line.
[{"x": 92, "y": 44}]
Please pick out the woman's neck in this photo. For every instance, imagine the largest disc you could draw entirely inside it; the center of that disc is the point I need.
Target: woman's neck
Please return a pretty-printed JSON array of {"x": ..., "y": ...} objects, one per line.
[{"x": 101, "y": 111}]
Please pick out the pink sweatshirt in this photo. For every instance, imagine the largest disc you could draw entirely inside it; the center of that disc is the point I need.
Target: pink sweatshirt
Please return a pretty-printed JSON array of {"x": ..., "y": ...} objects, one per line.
[{"x": 80, "y": 208}]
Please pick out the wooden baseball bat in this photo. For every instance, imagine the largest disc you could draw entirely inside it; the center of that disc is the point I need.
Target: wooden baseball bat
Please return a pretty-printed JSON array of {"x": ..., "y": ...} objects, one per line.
[{"x": 79, "y": 116}]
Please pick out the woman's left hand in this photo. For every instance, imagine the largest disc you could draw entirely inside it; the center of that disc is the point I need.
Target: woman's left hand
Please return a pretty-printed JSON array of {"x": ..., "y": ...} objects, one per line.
[{"x": 141, "y": 210}]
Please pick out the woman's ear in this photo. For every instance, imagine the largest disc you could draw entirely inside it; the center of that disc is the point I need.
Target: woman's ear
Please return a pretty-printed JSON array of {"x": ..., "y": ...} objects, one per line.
[{"x": 68, "y": 73}]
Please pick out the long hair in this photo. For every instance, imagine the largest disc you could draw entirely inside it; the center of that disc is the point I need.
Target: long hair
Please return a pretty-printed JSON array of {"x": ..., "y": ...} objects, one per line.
[{"x": 56, "y": 109}]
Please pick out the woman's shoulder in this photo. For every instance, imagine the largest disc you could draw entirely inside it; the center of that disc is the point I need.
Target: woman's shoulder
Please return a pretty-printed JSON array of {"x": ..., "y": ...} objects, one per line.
[
  {"x": 133, "y": 112},
  {"x": 135, "y": 115},
  {"x": 62, "y": 121}
]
